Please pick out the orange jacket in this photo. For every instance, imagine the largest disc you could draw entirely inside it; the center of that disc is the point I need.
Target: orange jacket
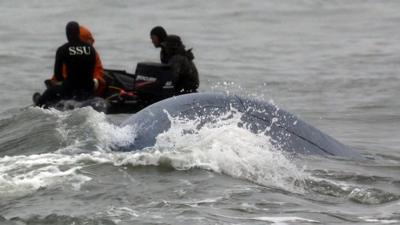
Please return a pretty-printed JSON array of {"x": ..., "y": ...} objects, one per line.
[{"x": 87, "y": 36}]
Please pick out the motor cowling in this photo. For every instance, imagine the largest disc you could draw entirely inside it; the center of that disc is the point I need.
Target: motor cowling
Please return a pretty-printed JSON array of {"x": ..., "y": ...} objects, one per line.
[{"x": 155, "y": 79}]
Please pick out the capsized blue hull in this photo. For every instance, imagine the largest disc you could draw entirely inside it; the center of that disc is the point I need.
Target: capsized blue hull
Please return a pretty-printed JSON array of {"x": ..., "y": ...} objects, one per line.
[{"x": 287, "y": 132}]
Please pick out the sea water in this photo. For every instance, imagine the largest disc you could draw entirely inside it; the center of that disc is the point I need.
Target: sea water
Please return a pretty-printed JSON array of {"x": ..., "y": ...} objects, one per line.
[{"x": 333, "y": 63}]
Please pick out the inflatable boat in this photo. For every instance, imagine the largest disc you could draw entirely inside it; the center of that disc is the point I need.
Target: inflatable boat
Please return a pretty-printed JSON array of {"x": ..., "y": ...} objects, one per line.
[{"x": 126, "y": 92}]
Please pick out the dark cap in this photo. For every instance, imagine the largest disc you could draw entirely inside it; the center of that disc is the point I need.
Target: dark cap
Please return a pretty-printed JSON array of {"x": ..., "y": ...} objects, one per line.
[
  {"x": 72, "y": 31},
  {"x": 159, "y": 32}
]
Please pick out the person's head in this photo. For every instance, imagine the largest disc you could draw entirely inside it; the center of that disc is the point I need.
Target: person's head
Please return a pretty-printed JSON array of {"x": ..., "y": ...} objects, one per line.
[
  {"x": 157, "y": 35},
  {"x": 72, "y": 31},
  {"x": 85, "y": 35}
]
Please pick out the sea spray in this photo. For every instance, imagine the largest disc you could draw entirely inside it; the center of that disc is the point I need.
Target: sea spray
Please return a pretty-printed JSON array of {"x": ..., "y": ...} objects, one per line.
[{"x": 222, "y": 146}]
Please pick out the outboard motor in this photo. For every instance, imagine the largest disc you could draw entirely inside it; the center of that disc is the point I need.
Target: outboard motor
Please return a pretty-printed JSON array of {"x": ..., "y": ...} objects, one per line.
[
  {"x": 150, "y": 78},
  {"x": 154, "y": 80},
  {"x": 127, "y": 92}
]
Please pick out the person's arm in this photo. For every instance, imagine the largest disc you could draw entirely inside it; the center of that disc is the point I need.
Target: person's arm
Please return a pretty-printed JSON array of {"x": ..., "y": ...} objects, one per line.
[
  {"x": 98, "y": 78},
  {"x": 163, "y": 56},
  {"x": 98, "y": 68},
  {"x": 58, "y": 65}
]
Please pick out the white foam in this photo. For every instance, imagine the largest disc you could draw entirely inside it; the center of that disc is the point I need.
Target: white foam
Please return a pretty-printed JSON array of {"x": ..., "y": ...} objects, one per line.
[
  {"x": 381, "y": 221},
  {"x": 120, "y": 214},
  {"x": 108, "y": 134},
  {"x": 281, "y": 220},
  {"x": 225, "y": 147},
  {"x": 22, "y": 175},
  {"x": 85, "y": 125}
]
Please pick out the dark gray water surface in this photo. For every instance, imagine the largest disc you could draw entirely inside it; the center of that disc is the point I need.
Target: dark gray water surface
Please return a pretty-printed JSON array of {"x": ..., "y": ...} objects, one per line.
[{"x": 333, "y": 63}]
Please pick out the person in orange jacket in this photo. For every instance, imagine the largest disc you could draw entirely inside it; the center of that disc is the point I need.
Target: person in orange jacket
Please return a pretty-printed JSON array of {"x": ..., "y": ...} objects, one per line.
[{"x": 99, "y": 83}]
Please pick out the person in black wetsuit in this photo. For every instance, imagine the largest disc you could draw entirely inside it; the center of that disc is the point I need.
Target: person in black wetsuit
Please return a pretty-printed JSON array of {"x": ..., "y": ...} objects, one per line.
[
  {"x": 158, "y": 35},
  {"x": 173, "y": 53},
  {"x": 79, "y": 58}
]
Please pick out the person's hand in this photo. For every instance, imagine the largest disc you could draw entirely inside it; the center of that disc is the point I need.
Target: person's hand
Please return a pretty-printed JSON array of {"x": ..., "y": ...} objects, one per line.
[
  {"x": 96, "y": 84},
  {"x": 51, "y": 82}
]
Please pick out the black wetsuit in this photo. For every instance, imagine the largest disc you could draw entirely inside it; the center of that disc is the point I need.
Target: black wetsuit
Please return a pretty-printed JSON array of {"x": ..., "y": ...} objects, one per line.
[
  {"x": 79, "y": 59},
  {"x": 163, "y": 57},
  {"x": 187, "y": 78},
  {"x": 181, "y": 62}
]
